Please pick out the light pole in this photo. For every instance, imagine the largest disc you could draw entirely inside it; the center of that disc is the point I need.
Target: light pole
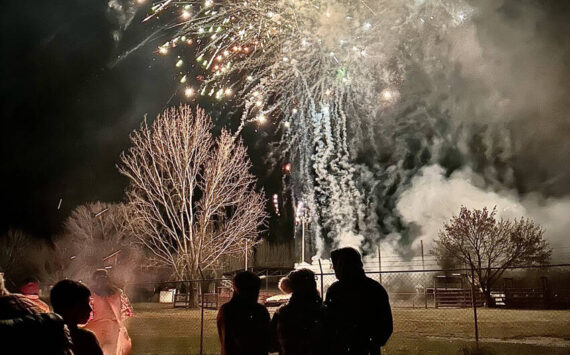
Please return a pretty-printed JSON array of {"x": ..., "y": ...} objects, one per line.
[
  {"x": 301, "y": 217},
  {"x": 303, "y": 239}
]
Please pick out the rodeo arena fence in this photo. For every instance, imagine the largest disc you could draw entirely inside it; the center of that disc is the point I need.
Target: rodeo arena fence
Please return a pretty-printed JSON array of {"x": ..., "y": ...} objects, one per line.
[{"x": 526, "y": 302}]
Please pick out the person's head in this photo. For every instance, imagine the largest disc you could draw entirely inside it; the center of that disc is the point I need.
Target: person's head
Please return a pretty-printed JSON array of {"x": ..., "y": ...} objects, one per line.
[
  {"x": 101, "y": 277},
  {"x": 31, "y": 286},
  {"x": 246, "y": 285},
  {"x": 102, "y": 284},
  {"x": 285, "y": 285},
  {"x": 71, "y": 300},
  {"x": 347, "y": 263},
  {"x": 303, "y": 283}
]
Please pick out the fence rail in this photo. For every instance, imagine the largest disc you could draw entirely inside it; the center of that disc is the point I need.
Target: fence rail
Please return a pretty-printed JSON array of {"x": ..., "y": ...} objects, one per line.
[{"x": 529, "y": 302}]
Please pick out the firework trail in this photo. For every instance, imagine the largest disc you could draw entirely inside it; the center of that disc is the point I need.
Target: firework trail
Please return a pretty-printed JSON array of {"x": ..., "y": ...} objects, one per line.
[{"x": 323, "y": 71}]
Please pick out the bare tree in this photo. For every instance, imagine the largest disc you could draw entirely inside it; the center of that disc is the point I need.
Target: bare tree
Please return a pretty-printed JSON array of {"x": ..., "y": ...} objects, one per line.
[
  {"x": 91, "y": 233},
  {"x": 476, "y": 239},
  {"x": 14, "y": 246},
  {"x": 192, "y": 196}
]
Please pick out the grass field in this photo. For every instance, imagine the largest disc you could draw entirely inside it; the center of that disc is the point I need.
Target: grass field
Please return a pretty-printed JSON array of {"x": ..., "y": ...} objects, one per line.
[{"x": 160, "y": 329}]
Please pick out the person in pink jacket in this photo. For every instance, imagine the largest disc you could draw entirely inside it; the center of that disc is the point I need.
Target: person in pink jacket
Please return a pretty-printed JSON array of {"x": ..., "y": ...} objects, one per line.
[{"x": 110, "y": 309}]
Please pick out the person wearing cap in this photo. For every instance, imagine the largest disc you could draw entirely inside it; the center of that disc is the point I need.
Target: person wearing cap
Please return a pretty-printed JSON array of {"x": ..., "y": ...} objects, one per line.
[
  {"x": 359, "y": 314},
  {"x": 31, "y": 290}
]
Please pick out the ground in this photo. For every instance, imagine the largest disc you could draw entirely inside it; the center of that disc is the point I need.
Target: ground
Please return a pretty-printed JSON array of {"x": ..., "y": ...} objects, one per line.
[{"x": 160, "y": 329}]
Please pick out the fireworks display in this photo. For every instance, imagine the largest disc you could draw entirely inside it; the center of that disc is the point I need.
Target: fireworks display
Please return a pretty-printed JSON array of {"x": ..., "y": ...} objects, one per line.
[{"x": 320, "y": 71}]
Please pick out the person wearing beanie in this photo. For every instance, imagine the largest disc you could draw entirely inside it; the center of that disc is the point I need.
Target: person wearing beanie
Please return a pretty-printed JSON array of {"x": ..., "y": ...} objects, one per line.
[{"x": 298, "y": 328}]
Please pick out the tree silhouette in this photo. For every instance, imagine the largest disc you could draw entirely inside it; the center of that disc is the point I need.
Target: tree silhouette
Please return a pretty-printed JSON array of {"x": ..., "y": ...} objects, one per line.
[
  {"x": 490, "y": 246},
  {"x": 191, "y": 195}
]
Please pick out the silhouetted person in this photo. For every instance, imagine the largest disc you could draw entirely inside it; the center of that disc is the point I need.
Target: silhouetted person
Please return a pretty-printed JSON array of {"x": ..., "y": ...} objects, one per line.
[
  {"x": 71, "y": 300},
  {"x": 25, "y": 329},
  {"x": 360, "y": 319},
  {"x": 298, "y": 328},
  {"x": 243, "y": 324}
]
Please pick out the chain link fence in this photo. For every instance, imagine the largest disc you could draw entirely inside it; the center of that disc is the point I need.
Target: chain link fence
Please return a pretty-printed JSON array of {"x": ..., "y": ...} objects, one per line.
[{"x": 527, "y": 303}]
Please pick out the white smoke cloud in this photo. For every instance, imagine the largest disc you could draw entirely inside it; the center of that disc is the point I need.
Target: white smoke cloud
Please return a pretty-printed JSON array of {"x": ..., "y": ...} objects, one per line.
[{"x": 433, "y": 199}]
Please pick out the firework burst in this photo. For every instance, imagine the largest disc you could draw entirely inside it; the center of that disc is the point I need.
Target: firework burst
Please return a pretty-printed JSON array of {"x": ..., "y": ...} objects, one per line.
[{"x": 318, "y": 70}]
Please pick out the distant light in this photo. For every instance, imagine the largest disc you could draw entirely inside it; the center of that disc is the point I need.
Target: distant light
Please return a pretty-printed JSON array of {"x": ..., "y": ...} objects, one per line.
[
  {"x": 162, "y": 50},
  {"x": 189, "y": 92},
  {"x": 185, "y": 15},
  {"x": 287, "y": 124},
  {"x": 228, "y": 92},
  {"x": 261, "y": 119}
]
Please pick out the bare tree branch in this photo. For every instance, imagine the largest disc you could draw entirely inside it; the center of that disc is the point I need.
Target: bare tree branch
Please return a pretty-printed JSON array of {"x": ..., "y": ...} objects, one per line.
[
  {"x": 475, "y": 238},
  {"x": 192, "y": 196}
]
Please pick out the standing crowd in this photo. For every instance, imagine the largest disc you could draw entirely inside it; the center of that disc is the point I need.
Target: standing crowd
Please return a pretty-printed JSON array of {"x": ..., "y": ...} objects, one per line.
[
  {"x": 355, "y": 318},
  {"x": 83, "y": 322}
]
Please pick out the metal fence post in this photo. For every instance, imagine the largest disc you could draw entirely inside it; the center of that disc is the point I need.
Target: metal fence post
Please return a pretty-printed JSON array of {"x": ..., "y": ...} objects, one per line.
[
  {"x": 321, "y": 267},
  {"x": 474, "y": 304},
  {"x": 201, "y": 312},
  {"x": 424, "y": 275},
  {"x": 379, "y": 264}
]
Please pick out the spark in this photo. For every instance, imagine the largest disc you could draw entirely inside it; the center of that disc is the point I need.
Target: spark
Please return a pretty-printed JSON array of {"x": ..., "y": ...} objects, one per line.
[
  {"x": 189, "y": 92},
  {"x": 313, "y": 66},
  {"x": 101, "y": 212}
]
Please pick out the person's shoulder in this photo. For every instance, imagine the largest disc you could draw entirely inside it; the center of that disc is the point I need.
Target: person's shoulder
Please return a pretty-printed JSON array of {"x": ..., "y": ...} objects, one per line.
[
  {"x": 84, "y": 334},
  {"x": 261, "y": 308},
  {"x": 283, "y": 309},
  {"x": 334, "y": 287},
  {"x": 87, "y": 340},
  {"x": 224, "y": 307},
  {"x": 375, "y": 286}
]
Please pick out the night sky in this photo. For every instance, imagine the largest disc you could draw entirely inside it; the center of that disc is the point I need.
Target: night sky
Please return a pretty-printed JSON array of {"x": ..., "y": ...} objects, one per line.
[{"x": 67, "y": 110}]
